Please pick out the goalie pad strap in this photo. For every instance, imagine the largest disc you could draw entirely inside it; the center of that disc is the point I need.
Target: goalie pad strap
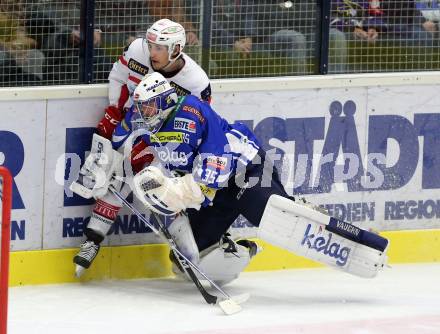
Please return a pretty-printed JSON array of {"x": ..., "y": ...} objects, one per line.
[{"x": 356, "y": 234}]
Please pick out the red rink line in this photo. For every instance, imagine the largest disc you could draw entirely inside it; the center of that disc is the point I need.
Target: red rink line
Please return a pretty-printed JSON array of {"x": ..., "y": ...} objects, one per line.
[{"x": 407, "y": 325}]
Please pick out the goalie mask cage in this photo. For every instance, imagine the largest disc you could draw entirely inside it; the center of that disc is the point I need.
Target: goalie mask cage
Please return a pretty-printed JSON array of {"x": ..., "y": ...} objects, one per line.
[{"x": 5, "y": 220}]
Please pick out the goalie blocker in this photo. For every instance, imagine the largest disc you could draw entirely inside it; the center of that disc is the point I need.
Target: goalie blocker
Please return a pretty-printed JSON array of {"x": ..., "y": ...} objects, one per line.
[
  {"x": 98, "y": 170},
  {"x": 302, "y": 229}
]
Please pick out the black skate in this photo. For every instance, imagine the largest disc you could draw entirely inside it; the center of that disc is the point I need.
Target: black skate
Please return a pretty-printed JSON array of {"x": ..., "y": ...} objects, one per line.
[{"x": 86, "y": 255}]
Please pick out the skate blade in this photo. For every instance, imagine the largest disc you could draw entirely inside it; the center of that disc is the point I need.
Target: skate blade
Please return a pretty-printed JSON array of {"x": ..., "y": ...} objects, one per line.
[{"x": 79, "y": 270}]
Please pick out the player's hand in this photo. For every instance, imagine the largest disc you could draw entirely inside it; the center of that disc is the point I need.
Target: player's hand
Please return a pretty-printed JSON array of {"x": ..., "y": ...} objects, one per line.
[{"x": 108, "y": 123}]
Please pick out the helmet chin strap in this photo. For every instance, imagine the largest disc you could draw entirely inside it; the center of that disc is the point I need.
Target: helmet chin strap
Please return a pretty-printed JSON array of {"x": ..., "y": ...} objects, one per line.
[{"x": 167, "y": 66}]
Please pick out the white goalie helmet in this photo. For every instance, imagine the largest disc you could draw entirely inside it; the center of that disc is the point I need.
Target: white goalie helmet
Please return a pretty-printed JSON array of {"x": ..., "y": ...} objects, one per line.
[
  {"x": 169, "y": 33},
  {"x": 153, "y": 100}
]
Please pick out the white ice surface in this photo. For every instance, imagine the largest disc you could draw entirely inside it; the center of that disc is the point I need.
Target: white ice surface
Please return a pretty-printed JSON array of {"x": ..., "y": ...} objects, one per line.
[{"x": 401, "y": 300}]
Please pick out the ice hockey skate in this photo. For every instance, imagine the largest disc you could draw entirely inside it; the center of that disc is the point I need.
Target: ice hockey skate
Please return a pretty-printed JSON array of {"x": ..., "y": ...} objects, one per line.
[{"x": 86, "y": 255}]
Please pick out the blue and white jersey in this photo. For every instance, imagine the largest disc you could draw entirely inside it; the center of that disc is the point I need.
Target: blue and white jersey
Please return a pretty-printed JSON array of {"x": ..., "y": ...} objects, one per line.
[{"x": 195, "y": 139}]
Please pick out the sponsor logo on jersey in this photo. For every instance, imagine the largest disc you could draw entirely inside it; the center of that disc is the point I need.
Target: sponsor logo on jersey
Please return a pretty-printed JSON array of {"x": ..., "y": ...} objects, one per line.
[
  {"x": 194, "y": 111},
  {"x": 173, "y": 157},
  {"x": 217, "y": 162},
  {"x": 325, "y": 245},
  {"x": 207, "y": 191},
  {"x": 170, "y": 137},
  {"x": 185, "y": 124},
  {"x": 137, "y": 67},
  {"x": 179, "y": 89}
]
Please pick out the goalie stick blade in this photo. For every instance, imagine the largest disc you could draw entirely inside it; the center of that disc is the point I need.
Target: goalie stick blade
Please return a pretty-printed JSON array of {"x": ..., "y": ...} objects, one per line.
[
  {"x": 229, "y": 306},
  {"x": 232, "y": 305},
  {"x": 240, "y": 299}
]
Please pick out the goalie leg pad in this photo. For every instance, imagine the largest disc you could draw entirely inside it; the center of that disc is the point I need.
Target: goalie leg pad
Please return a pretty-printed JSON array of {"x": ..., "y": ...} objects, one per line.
[
  {"x": 182, "y": 234},
  {"x": 310, "y": 233}
]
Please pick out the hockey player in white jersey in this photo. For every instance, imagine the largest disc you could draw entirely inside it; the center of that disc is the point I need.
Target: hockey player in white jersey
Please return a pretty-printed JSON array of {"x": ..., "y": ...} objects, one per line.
[
  {"x": 161, "y": 50},
  {"x": 224, "y": 173}
]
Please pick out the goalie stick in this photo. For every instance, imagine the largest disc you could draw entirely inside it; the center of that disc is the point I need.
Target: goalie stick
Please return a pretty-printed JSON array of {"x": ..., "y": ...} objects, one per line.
[{"x": 229, "y": 305}]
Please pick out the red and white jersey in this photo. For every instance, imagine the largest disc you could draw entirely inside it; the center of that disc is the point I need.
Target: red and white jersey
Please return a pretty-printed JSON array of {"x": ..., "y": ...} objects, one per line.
[{"x": 135, "y": 63}]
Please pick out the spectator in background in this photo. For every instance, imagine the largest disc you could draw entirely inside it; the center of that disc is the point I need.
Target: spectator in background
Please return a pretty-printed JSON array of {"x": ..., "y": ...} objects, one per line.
[
  {"x": 351, "y": 21},
  {"x": 283, "y": 27},
  {"x": 290, "y": 28},
  {"x": 233, "y": 26},
  {"x": 430, "y": 10},
  {"x": 356, "y": 20},
  {"x": 54, "y": 24},
  {"x": 269, "y": 28},
  {"x": 62, "y": 54},
  {"x": 404, "y": 23},
  {"x": 124, "y": 21},
  {"x": 175, "y": 11},
  {"x": 20, "y": 61}
]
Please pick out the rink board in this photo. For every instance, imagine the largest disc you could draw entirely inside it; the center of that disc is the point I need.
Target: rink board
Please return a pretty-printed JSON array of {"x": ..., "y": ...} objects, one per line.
[
  {"x": 387, "y": 135},
  {"x": 151, "y": 261}
]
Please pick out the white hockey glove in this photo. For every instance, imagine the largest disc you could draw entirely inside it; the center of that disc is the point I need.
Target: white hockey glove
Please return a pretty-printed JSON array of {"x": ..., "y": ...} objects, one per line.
[
  {"x": 167, "y": 195},
  {"x": 96, "y": 174}
]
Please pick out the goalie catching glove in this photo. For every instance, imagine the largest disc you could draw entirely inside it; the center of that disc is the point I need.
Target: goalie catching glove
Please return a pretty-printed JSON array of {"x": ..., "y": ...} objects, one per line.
[
  {"x": 167, "y": 195},
  {"x": 97, "y": 172}
]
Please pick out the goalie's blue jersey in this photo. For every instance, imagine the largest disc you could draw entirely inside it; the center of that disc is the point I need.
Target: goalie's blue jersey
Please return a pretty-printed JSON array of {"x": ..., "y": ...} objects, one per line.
[{"x": 195, "y": 139}]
